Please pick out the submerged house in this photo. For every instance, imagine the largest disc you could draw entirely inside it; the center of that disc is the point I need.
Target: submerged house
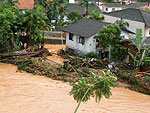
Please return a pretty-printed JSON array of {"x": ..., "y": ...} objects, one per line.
[{"x": 80, "y": 35}]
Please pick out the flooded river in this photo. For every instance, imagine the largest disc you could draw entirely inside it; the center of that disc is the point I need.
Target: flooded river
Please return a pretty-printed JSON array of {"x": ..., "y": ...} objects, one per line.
[{"x": 21, "y": 92}]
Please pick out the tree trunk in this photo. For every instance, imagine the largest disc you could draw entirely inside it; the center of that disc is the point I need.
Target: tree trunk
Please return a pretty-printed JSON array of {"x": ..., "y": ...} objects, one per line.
[
  {"x": 29, "y": 33},
  {"x": 13, "y": 41},
  {"x": 110, "y": 52},
  {"x": 87, "y": 11}
]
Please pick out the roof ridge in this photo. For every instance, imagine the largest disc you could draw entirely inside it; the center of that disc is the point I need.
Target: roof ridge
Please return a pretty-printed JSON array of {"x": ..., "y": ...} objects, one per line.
[
  {"x": 142, "y": 16},
  {"x": 95, "y": 20},
  {"x": 119, "y": 10}
]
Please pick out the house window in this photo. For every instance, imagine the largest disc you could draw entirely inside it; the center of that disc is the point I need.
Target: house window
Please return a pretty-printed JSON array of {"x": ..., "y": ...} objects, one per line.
[
  {"x": 81, "y": 40},
  {"x": 70, "y": 36},
  {"x": 106, "y": 9}
]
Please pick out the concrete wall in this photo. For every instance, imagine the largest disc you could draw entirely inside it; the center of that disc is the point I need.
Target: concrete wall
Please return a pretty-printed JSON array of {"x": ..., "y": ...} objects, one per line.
[
  {"x": 88, "y": 46},
  {"x": 124, "y": 34},
  {"x": 71, "y": 1},
  {"x": 133, "y": 25},
  {"x": 147, "y": 31}
]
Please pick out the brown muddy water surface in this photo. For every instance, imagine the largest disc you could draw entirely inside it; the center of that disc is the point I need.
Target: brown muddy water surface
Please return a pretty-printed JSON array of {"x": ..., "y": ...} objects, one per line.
[{"x": 21, "y": 92}]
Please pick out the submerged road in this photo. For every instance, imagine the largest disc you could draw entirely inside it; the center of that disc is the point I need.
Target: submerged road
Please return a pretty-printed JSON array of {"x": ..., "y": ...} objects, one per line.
[{"x": 21, "y": 92}]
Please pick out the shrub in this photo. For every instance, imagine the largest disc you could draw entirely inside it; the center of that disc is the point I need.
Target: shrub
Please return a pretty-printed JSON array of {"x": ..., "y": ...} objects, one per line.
[
  {"x": 91, "y": 55},
  {"x": 119, "y": 52}
]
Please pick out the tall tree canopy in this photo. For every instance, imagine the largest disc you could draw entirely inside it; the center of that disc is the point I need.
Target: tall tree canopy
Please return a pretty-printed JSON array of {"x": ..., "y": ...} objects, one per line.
[
  {"x": 12, "y": 2},
  {"x": 7, "y": 20},
  {"x": 15, "y": 26},
  {"x": 35, "y": 20},
  {"x": 55, "y": 9}
]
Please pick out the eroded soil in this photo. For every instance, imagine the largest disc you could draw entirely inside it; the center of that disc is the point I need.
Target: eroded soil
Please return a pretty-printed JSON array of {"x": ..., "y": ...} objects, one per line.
[
  {"x": 21, "y": 92},
  {"x": 53, "y": 49}
]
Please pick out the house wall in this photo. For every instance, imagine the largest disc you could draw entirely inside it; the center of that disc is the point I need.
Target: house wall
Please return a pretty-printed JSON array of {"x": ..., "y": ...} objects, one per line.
[
  {"x": 110, "y": 9},
  {"x": 133, "y": 25},
  {"x": 124, "y": 34},
  {"x": 147, "y": 31},
  {"x": 71, "y": 1},
  {"x": 88, "y": 46}
]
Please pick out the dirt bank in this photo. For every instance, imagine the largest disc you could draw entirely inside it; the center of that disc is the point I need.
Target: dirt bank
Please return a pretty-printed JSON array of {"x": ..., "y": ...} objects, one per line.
[{"x": 27, "y": 93}]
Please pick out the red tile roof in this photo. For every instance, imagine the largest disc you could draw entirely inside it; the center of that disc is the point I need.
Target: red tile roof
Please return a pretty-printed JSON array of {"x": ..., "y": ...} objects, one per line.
[{"x": 25, "y": 4}]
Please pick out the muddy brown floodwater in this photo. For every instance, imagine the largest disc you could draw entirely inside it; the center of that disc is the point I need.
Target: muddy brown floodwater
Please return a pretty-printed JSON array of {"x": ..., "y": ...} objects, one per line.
[{"x": 21, "y": 92}]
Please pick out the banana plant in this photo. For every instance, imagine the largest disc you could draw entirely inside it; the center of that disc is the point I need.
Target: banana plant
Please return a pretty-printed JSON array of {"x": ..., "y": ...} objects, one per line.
[
  {"x": 94, "y": 86},
  {"x": 140, "y": 44}
]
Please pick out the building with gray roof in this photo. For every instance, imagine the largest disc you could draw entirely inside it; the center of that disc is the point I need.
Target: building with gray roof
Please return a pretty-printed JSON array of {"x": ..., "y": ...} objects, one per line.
[{"x": 135, "y": 17}]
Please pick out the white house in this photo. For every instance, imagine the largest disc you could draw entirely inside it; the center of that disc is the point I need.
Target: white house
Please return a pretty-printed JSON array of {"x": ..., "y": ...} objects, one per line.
[
  {"x": 71, "y": 1},
  {"x": 80, "y": 35},
  {"x": 110, "y": 7},
  {"x": 135, "y": 17}
]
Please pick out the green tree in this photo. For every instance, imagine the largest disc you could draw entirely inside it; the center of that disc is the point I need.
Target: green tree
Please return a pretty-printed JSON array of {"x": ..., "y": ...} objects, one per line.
[
  {"x": 95, "y": 14},
  {"x": 44, "y": 3},
  {"x": 35, "y": 20},
  {"x": 62, "y": 11},
  {"x": 12, "y": 2},
  {"x": 94, "y": 86},
  {"x": 7, "y": 21},
  {"x": 141, "y": 46},
  {"x": 74, "y": 16},
  {"x": 122, "y": 23},
  {"x": 55, "y": 9},
  {"x": 109, "y": 36},
  {"x": 86, "y": 4}
]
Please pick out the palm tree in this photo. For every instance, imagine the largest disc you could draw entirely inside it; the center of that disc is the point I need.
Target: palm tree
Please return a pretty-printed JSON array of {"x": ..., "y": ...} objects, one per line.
[
  {"x": 86, "y": 4},
  {"x": 140, "y": 44},
  {"x": 122, "y": 23},
  {"x": 95, "y": 86}
]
